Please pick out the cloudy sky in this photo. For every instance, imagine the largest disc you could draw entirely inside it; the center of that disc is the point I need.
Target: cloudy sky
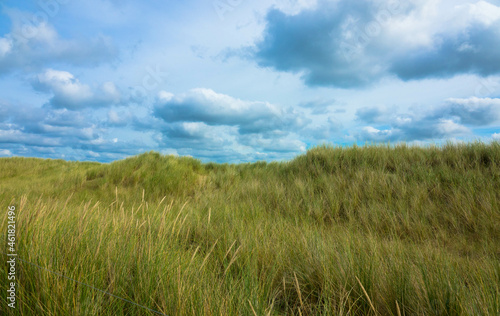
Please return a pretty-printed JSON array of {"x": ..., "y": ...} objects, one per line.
[{"x": 241, "y": 80}]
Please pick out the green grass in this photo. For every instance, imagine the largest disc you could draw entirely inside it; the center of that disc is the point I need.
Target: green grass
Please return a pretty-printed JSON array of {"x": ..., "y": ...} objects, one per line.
[{"x": 374, "y": 230}]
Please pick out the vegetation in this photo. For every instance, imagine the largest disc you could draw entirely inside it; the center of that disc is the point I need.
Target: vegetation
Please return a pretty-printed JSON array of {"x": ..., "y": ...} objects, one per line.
[{"x": 374, "y": 230}]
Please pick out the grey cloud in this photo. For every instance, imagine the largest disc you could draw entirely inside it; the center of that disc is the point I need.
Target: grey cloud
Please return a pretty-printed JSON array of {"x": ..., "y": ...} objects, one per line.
[
  {"x": 206, "y": 124},
  {"x": 59, "y": 133},
  {"x": 414, "y": 130},
  {"x": 452, "y": 119},
  {"x": 201, "y": 140},
  {"x": 350, "y": 44},
  {"x": 472, "y": 111},
  {"x": 475, "y": 51},
  {"x": 18, "y": 137},
  {"x": 66, "y": 118},
  {"x": 211, "y": 108},
  {"x": 196, "y": 132},
  {"x": 371, "y": 115},
  {"x": 45, "y": 127},
  {"x": 309, "y": 43}
]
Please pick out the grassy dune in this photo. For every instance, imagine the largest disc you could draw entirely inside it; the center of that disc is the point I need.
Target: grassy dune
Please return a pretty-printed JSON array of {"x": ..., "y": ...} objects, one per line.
[{"x": 370, "y": 230}]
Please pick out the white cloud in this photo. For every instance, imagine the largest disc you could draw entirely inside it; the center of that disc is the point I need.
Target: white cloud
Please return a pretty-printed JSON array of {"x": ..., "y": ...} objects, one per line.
[
  {"x": 5, "y": 153},
  {"x": 68, "y": 92},
  {"x": 454, "y": 118},
  {"x": 204, "y": 123},
  {"x": 64, "y": 85},
  {"x": 481, "y": 12},
  {"x": 429, "y": 18},
  {"x": 31, "y": 45},
  {"x": 260, "y": 113},
  {"x": 475, "y": 102},
  {"x": 473, "y": 110},
  {"x": 449, "y": 127},
  {"x": 5, "y": 46},
  {"x": 211, "y": 108},
  {"x": 373, "y": 134},
  {"x": 164, "y": 96}
]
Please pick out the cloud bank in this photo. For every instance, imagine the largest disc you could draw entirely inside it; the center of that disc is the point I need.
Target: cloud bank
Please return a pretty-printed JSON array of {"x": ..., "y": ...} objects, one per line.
[
  {"x": 77, "y": 85},
  {"x": 205, "y": 119},
  {"x": 351, "y": 44},
  {"x": 454, "y": 119}
]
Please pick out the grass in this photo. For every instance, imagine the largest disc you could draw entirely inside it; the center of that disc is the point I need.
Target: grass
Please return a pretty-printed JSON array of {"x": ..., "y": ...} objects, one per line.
[{"x": 374, "y": 230}]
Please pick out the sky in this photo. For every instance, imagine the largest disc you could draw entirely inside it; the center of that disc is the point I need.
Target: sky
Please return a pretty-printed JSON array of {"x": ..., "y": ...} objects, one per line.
[{"x": 241, "y": 81}]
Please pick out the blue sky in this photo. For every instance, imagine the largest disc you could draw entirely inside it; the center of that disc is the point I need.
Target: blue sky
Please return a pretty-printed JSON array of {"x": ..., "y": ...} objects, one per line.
[{"x": 239, "y": 80}]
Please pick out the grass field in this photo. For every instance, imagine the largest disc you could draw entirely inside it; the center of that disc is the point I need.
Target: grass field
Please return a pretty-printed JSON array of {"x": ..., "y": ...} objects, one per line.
[{"x": 373, "y": 230}]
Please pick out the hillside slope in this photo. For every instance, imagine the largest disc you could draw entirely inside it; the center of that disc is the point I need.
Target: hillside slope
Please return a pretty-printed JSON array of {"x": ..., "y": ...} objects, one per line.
[{"x": 336, "y": 231}]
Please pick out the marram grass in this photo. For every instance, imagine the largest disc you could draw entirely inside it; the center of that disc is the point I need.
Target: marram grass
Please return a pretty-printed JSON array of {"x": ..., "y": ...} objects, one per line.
[{"x": 372, "y": 230}]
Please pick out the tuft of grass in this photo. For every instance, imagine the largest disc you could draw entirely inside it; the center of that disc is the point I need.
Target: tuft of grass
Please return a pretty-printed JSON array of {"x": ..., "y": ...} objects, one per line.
[{"x": 389, "y": 230}]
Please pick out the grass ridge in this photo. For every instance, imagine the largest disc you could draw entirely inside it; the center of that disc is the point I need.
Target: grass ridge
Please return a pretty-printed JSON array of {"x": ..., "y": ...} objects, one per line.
[{"x": 389, "y": 230}]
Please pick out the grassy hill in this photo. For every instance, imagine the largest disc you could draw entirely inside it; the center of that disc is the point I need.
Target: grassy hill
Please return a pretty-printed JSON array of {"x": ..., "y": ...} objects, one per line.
[{"x": 373, "y": 230}]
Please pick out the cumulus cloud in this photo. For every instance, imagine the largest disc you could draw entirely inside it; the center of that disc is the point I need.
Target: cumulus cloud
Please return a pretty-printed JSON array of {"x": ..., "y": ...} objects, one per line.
[
  {"x": 453, "y": 119},
  {"x": 49, "y": 132},
  {"x": 418, "y": 130},
  {"x": 19, "y": 137},
  {"x": 44, "y": 127},
  {"x": 370, "y": 133},
  {"x": 473, "y": 111},
  {"x": 355, "y": 43},
  {"x": 31, "y": 45},
  {"x": 309, "y": 43},
  {"x": 199, "y": 133},
  {"x": 206, "y": 124},
  {"x": 69, "y": 93},
  {"x": 211, "y": 108},
  {"x": 203, "y": 141}
]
